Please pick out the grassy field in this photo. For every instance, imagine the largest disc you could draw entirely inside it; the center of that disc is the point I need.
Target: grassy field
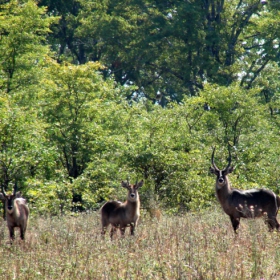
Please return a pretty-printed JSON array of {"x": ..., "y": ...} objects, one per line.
[{"x": 190, "y": 246}]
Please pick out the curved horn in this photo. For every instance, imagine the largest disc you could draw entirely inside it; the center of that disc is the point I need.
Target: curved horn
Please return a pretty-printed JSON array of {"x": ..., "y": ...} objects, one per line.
[
  {"x": 229, "y": 159},
  {"x": 3, "y": 191},
  {"x": 15, "y": 188},
  {"x": 212, "y": 158}
]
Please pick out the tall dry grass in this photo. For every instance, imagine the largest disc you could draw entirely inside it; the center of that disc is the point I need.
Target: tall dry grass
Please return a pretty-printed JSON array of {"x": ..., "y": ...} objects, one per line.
[{"x": 190, "y": 246}]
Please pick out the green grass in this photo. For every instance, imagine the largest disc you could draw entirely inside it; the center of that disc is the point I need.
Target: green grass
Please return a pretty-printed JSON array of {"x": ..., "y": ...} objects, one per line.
[{"x": 190, "y": 246}]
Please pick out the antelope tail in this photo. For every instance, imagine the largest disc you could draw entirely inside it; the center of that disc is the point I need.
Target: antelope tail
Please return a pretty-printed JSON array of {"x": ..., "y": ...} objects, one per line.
[{"x": 278, "y": 201}]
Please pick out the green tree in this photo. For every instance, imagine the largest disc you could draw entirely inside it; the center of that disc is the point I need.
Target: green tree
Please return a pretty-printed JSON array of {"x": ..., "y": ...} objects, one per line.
[
  {"x": 74, "y": 104},
  {"x": 169, "y": 49},
  {"x": 70, "y": 95},
  {"x": 63, "y": 39},
  {"x": 23, "y": 29}
]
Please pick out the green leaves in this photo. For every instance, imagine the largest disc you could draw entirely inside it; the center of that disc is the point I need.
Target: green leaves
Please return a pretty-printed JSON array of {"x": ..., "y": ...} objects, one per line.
[
  {"x": 76, "y": 130},
  {"x": 23, "y": 33},
  {"x": 174, "y": 48},
  {"x": 72, "y": 96}
]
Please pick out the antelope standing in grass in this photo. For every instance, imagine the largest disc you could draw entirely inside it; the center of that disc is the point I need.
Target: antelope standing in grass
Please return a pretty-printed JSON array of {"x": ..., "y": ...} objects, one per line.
[
  {"x": 17, "y": 212},
  {"x": 121, "y": 215},
  {"x": 251, "y": 203}
]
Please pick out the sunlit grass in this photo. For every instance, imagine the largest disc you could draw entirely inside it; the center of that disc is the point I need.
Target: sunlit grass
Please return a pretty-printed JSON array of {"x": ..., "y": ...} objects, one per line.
[{"x": 189, "y": 246}]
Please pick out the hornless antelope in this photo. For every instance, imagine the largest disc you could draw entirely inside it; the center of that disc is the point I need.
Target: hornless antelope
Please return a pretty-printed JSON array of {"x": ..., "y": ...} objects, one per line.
[
  {"x": 251, "y": 203},
  {"x": 121, "y": 215},
  {"x": 17, "y": 212}
]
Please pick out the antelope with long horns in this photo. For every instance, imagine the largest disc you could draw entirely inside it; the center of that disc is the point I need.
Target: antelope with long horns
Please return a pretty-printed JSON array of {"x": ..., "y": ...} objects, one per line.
[
  {"x": 251, "y": 203},
  {"x": 121, "y": 215},
  {"x": 17, "y": 212}
]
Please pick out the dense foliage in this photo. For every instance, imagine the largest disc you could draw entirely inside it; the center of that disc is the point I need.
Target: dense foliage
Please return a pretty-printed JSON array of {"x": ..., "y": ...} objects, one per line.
[{"x": 95, "y": 92}]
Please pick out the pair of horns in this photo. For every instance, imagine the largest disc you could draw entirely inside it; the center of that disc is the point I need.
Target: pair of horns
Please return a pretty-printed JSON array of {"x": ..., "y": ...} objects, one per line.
[
  {"x": 128, "y": 182},
  {"x": 15, "y": 190},
  {"x": 213, "y": 163}
]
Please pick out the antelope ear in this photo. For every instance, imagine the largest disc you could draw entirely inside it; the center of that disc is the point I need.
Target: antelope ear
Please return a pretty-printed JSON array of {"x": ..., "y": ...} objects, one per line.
[
  {"x": 212, "y": 170},
  {"x": 140, "y": 184},
  {"x": 230, "y": 169},
  {"x": 18, "y": 194},
  {"x": 125, "y": 184},
  {"x": 2, "y": 197}
]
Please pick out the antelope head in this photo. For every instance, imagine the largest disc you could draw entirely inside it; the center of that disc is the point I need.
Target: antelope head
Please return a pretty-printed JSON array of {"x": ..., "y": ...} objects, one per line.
[
  {"x": 132, "y": 190},
  {"x": 221, "y": 174},
  {"x": 10, "y": 198}
]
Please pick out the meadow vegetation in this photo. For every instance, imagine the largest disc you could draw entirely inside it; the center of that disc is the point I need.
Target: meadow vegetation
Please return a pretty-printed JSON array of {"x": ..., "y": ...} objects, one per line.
[{"x": 186, "y": 246}]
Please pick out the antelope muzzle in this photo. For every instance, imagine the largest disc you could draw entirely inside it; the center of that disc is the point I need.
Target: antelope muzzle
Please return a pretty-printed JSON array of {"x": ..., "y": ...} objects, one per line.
[
  {"x": 220, "y": 178},
  {"x": 10, "y": 203}
]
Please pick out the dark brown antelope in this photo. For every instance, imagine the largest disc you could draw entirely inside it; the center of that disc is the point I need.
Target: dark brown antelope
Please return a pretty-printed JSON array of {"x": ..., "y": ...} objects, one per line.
[
  {"x": 17, "y": 212},
  {"x": 251, "y": 203},
  {"x": 121, "y": 215}
]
